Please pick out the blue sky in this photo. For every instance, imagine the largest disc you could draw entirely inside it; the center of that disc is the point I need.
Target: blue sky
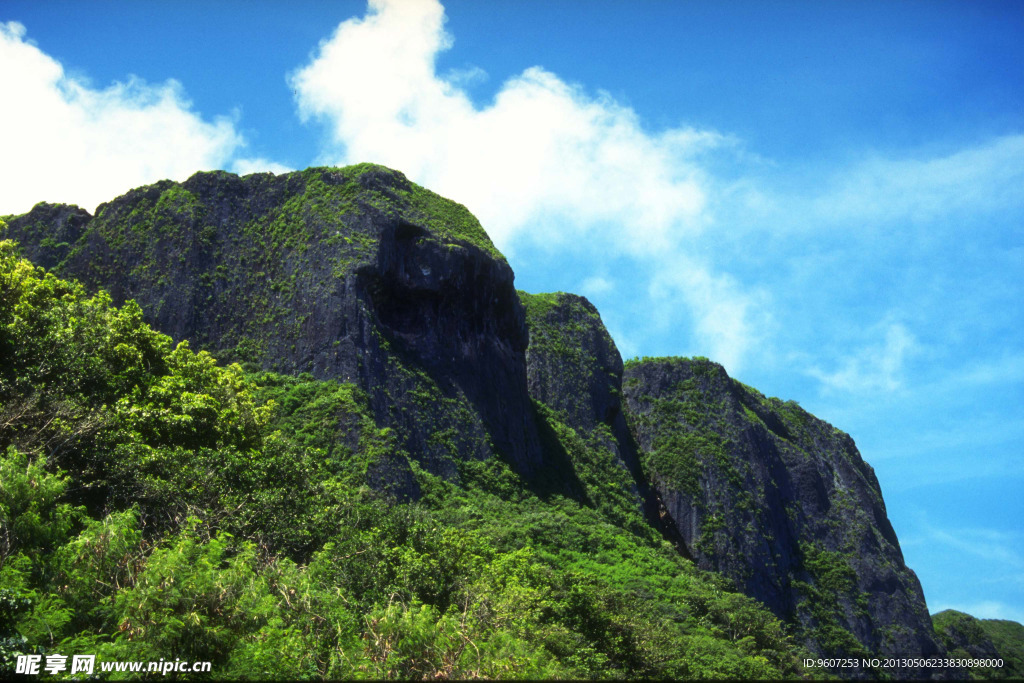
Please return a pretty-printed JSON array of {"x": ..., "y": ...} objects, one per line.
[{"x": 827, "y": 198}]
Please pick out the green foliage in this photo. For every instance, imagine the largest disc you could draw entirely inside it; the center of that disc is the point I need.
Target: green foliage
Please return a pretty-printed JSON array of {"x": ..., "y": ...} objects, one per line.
[
  {"x": 12, "y": 643},
  {"x": 539, "y": 305},
  {"x": 157, "y": 505},
  {"x": 674, "y": 459},
  {"x": 33, "y": 517},
  {"x": 831, "y": 569},
  {"x": 827, "y": 596},
  {"x": 1008, "y": 639},
  {"x": 606, "y": 483},
  {"x": 33, "y": 520},
  {"x": 448, "y": 219},
  {"x": 967, "y": 637},
  {"x": 561, "y": 329}
]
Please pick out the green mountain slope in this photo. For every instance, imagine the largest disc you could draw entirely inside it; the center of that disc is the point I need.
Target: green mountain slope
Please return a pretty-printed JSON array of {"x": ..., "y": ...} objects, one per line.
[
  {"x": 966, "y": 637},
  {"x": 157, "y": 505},
  {"x": 454, "y": 478}
]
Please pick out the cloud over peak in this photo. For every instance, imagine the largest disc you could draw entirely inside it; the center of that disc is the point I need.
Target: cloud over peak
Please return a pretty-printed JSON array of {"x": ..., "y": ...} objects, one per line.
[{"x": 543, "y": 152}]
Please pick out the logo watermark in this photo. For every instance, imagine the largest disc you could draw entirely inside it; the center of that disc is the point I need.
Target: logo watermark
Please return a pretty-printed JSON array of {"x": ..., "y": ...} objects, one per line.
[{"x": 34, "y": 665}]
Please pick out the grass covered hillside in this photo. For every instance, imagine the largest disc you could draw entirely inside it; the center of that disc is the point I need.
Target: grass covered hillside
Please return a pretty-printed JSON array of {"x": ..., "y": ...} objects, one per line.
[
  {"x": 967, "y": 637},
  {"x": 156, "y": 504}
]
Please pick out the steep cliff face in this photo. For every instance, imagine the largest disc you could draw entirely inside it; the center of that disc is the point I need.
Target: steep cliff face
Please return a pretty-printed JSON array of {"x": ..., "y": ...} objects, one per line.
[
  {"x": 574, "y": 368},
  {"x": 354, "y": 273},
  {"x": 779, "y": 501}
]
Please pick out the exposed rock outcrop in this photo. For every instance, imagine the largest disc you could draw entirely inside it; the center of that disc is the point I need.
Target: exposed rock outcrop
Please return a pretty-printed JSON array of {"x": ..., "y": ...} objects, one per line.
[
  {"x": 780, "y": 502},
  {"x": 574, "y": 367}
]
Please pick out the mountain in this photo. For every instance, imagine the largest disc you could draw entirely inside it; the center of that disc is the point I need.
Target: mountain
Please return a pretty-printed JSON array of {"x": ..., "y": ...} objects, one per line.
[
  {"x": 385, "y": 352},
  {"x": 357, "y": 275}
]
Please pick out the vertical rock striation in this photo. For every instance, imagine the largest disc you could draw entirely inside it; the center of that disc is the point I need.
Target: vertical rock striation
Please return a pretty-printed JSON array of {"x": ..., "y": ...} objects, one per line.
[{"x": 780, "y": 502}]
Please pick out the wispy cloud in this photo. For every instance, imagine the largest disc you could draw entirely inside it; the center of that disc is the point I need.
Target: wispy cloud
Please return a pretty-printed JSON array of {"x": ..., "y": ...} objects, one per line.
[
  {"x": 1008, "y": 369},
  {"x": 66, "y": 141},
  {"x": 875, "y": 367},
  {"x": 877, "y": 190},
  {"x": 952, "y": 450},
  {"x": 979, "y": 178},
  {"x": 987, "y": 544},
  {"x": 596, "y": 285},
  {"x": 979, "y": 566},
  {"x": 728, "y": 320}
]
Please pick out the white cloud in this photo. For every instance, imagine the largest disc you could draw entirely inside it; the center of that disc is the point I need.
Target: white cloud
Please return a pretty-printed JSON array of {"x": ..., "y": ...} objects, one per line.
[
  {"x": 258, "y": 165},
  {"x": 728, "y": 321},
  {"x": 876, "y": 367},
  {"x": 975, "y": 179},
  {"x": 543, "y": 153},
  {"x": 544, "y": 162},
  {"x": 64, "y": 141},
  {"x": 596, "y": 285}
]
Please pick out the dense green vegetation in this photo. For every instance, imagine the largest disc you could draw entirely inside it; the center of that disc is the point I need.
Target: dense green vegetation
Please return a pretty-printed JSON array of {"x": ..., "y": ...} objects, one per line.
[
  {"x": 155, "y": 504},
  {"x": 966, "y": 637}
]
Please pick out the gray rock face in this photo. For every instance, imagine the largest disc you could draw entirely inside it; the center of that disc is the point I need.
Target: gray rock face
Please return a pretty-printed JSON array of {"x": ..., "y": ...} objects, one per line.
[
  {"x": 572, "y": 362},
  {"x": 354, "y": 274},
  {"x": 780, "y": 502},
  {"x": 48, "y": 232},
  {"x": 574, "y": 367}
]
